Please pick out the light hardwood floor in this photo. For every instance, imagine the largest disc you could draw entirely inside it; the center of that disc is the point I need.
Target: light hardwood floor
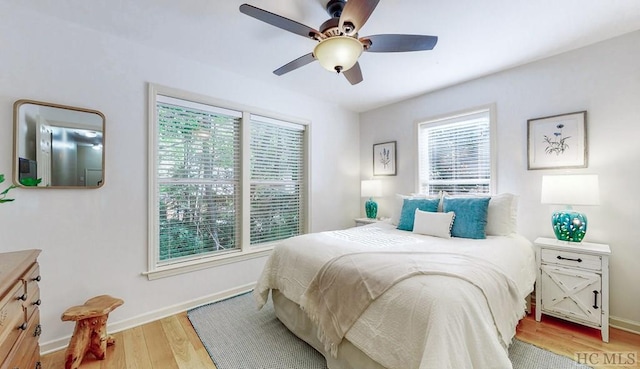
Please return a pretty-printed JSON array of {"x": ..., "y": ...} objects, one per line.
[
  {"x": 171, "y": 343},
  {"x": 576, "y": 342}
]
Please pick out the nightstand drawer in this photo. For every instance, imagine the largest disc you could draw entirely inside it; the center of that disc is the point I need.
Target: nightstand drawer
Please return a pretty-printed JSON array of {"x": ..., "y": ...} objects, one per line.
[{"x": 571, "y": 259}]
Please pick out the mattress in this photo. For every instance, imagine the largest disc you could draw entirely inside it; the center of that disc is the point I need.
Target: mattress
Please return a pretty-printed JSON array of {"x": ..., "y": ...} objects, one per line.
[{"x": 426, "y": 321}]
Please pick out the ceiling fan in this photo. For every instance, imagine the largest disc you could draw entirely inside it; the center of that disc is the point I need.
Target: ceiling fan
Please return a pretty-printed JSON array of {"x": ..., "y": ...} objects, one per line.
[{"x": 339, "y": 47}]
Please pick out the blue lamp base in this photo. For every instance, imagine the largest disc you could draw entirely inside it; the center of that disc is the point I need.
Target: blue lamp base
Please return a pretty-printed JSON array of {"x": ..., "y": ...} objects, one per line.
[
  {"x": 569, "y": 225},
  {"x": 371, "y": 208}
]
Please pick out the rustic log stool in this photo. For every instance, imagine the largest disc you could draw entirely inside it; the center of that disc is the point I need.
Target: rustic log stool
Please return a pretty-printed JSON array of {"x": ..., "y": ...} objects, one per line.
[{"x": 90, "y": 334}]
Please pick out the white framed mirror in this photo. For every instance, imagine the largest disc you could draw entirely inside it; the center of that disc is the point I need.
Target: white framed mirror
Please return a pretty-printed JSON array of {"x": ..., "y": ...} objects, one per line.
[{"x": 61, "y": 146}]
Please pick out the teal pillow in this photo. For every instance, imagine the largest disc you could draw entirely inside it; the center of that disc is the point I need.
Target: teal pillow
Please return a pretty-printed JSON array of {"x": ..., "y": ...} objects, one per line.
[
  {"x": 408, "y": 213},
  {"x": 471, "y": 216}
]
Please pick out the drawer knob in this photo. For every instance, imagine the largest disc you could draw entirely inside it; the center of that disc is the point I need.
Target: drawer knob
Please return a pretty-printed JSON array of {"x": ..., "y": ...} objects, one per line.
[
  {"x": 23, "y": 297},
  {"x": 23, "y": 326},
  {"x": 37, "y": 331},
  {"x": 38, "y": 302},
  {"x": 37, "y": 279},
  {"x": 561, "y": 258}
]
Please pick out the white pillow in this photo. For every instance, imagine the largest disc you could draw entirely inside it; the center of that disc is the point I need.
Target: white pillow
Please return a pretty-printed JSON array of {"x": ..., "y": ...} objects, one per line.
[
  {"x": 502, "y": 215},
  {"x": 433, "y": 224},
  {"x": 399, "y": 201}
]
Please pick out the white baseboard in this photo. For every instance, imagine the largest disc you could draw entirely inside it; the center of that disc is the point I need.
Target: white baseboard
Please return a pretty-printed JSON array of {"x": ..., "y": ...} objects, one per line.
[
  {"x": 61, "y": 343},
  {"x": 624, "y": 324}
]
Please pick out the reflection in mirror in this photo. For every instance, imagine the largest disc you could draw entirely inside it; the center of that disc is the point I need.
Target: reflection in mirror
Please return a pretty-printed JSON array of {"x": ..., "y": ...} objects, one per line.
[{"x": 61, "y": 145}]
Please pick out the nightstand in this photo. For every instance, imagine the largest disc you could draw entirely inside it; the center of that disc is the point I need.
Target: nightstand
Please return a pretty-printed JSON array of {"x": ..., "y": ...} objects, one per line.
[
  {"x": 573, "y": 282},
  {"x": 365, "y": 221}
]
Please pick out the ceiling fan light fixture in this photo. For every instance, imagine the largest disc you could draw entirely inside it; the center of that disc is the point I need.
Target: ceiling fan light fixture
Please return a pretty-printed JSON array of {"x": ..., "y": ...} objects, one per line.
[{"x": 338, "y": 53}]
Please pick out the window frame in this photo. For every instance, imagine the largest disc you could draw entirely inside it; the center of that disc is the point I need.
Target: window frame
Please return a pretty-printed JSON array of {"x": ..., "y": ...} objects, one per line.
[
  {"x": 443, "y": 119},
  {"x": 246, "y": 251}
]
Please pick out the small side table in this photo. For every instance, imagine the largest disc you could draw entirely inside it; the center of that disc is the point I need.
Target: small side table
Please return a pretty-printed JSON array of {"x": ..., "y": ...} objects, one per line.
[
  {"x": 573, "y": 282},
  {"x": 90, "y": 334},
  {"x": 365, "y": 221}
]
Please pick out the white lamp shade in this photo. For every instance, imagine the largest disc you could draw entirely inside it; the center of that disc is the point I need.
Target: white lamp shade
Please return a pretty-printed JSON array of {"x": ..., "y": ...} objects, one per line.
[
  {"x": 371, "y": 188},
  {"x": 338, "y": 51},
  {"x": 572, "y": 189}
]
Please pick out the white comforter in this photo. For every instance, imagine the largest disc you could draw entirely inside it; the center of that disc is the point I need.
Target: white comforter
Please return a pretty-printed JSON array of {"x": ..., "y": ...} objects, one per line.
[{"x": 426, "y": 321}]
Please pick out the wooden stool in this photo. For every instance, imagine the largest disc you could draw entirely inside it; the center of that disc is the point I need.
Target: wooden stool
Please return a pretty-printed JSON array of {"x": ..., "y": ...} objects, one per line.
[{"x": 90, "y": 334}]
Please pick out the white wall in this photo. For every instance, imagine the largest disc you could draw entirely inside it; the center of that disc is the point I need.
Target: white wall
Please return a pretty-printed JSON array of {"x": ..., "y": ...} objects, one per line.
[
  {"x": 603, "y": 79},
  {"x": 95, "y": 241}
]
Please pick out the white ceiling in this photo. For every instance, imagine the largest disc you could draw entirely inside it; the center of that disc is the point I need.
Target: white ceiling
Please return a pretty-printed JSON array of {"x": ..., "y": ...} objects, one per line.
[{"x": 476, "y": 38}]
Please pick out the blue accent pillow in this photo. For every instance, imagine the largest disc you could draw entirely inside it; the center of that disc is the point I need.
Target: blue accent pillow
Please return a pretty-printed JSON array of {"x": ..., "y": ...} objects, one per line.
[
  {"x": 408, "y": 213},
  {"x": 471, "y": 216}
]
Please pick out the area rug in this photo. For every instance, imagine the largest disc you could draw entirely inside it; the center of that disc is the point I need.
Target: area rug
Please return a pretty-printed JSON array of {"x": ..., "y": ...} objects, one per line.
[{"x": 237, "y": 335}]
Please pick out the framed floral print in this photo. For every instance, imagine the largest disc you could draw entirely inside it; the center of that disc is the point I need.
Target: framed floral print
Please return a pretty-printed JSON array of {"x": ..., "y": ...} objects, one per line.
[
  {"x": 559, "y": 141},
  {"x": 384, "y": 159}
]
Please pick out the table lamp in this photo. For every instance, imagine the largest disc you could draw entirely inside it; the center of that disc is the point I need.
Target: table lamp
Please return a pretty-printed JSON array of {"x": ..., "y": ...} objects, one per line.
[
  {"x": 569, "y": 190},
  {"x": 370, "y": 188}
]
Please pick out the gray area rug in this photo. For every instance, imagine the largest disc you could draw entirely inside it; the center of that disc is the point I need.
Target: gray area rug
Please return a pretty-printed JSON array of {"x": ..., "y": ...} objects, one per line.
[{"x": 238, "y": 336}]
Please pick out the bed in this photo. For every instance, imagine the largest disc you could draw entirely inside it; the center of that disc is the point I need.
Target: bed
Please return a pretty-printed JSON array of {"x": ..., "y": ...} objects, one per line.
[{"x": 438, "y": 302}]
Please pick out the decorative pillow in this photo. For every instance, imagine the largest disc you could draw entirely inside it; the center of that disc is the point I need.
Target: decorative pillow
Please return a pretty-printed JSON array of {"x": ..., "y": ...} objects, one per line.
[
  {"x": 502, "y": 215},
  {"x": 409, "y": 207},
  {"x": 399, "y": 202},
  {"x": 471, "y": 216},
  {"x": 433, "y": 224}
]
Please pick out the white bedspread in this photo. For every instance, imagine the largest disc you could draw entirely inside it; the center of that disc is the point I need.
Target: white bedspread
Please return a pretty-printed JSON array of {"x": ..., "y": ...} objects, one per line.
[{"x": 426, "y": 321}]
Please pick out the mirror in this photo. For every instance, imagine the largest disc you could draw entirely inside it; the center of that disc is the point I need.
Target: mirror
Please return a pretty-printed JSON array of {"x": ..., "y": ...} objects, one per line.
[{"x": 62, "y": 146}]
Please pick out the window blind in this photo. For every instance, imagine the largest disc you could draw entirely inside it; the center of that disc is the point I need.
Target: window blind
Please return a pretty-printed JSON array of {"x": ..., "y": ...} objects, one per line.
[
  {"x": 277, "y": 180},
  {"x": 198, "y": 178},
  {"x": 455, "y": 154}
]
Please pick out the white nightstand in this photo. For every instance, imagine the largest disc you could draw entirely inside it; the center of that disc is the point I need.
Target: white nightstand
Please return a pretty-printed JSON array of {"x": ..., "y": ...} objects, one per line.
[
  {"x": 365, "y": 221},
  {"x": 573, "y": 282}
]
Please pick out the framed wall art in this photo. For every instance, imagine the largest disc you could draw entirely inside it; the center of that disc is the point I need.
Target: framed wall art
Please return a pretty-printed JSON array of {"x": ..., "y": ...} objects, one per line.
[
  {"x": 559, "y": 141},
  {"x": 384, "y": 159}
]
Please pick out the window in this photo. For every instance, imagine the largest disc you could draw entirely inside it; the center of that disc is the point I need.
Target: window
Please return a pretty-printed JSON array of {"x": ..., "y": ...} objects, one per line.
[
  {"x": 198, "y": 178},
  {"x": 277, "y": 179},
  {"x": 224, "y": 183},
  {"x": 455, "y": 153}
]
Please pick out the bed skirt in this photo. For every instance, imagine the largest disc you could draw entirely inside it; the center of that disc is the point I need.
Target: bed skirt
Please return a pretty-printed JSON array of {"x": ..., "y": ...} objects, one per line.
[{"x": 297, "y": 321}]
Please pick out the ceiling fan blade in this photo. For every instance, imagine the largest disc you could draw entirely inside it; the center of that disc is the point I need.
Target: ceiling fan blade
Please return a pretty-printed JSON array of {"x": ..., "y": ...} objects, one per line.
[
  {"x": 279, "y": 21},
  {"x": 354, "y": 74},
  {"x": 355, "y": 15},
  {"x": 399, "y": 43},
  {"x": 295, "y": 64}
]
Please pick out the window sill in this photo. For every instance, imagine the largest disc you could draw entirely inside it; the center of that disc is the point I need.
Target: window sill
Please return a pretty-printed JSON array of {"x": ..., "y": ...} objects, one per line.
[{"x": 205, "y": 263}]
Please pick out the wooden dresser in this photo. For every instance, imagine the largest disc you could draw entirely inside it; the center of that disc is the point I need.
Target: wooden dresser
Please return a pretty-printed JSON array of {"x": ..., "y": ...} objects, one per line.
[{"x": 19, "y": 310}]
